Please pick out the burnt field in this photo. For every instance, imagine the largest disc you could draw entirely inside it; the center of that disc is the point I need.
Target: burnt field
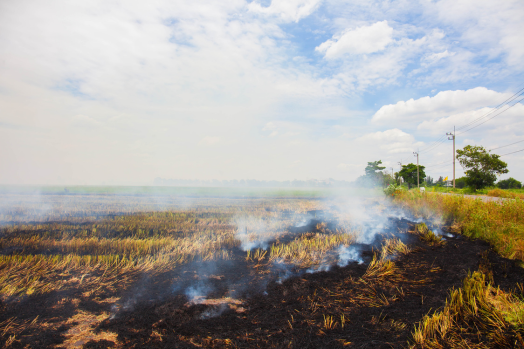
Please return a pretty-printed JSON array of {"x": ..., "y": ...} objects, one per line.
[{"x": 120, "y": 272}]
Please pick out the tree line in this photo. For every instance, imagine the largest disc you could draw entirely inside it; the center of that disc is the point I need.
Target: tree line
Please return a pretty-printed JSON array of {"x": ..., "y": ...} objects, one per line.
[{"x": 481, "y": 171}]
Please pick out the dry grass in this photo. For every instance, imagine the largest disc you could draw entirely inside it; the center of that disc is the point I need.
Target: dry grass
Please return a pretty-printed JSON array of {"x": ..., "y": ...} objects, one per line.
[
  {"x": 82, "y": 330},
  {"x": 394, "y": 247},
  {"x": 499, "y": 193},
  {"x": 426, "y": 235},
  {"x": 501, "y": 224},
  {"x": 307, "y": 251},
  {"x": 475, "y": 316}
]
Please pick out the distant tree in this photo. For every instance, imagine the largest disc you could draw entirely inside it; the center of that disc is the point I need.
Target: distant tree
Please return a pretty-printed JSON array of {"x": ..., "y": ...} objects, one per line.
[
  {"x": 397, "y": 178},
  {"x": 372, "y": 168},
  {"x": 460, "y": 182},
  {"x": 388, "y": 179},
  {"x": 373, "y": 175},
  {"x": 409, "y": 174},
  {"x": 481, "y": 167},
  {"x": 440, "y": 181},
  {"x": 429, "y": 181},
  {"x": 510, "y": 183}
]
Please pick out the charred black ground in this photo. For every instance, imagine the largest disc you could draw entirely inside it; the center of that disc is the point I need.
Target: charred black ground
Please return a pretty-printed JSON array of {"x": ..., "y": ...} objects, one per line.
[{"x": 255, "y": 305}]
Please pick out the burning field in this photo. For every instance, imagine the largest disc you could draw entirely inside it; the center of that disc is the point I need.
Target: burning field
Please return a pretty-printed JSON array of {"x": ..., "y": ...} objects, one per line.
[{"x": 94, "y": 271}]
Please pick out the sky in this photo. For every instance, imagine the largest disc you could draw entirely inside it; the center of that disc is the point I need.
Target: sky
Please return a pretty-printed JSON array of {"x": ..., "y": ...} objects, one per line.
[{"x": 122, "y": 92}]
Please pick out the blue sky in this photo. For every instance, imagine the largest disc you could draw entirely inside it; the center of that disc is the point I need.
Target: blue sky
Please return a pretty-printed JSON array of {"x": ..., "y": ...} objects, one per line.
[{"x": 123, "y": 92}]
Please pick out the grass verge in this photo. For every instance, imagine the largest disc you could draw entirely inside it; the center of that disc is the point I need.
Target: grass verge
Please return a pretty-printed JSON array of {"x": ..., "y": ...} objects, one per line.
[{"x": 499, "y": 223}]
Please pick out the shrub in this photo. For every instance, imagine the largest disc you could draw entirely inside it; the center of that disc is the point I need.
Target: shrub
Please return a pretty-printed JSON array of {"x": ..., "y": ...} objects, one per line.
[
  {"x": 393, "y": 189},
  {"x": 510, "y": 183},
  {"x": 460, "y": 182}
]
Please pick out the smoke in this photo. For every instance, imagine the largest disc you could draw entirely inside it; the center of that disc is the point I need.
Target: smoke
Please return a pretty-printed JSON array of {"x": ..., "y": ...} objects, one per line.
[
  {"x": 258, "y": 232},
  {"x": 214, "y": 311},
  {"x": 252, "y": 233},
  {"x": 369, "y": 220},
  {"x": 348, "y": 254},
  {"x": 283, "y": 270},
  {"x": 324, "y": 266},
  {"x": 197, "y": 293}
]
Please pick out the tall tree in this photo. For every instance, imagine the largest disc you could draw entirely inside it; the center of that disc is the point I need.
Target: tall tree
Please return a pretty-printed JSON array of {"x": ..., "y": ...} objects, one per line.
[
  {"x": 372, "y": 168},
  {"x": 373, "y": 175},
  {"x": 409, "y": 174},
  {"x": 480, "y": 166}
]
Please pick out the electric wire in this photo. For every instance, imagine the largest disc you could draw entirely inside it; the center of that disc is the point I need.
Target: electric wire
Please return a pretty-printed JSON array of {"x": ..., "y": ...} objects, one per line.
[
  {"x": 507, "y": 145},
  {"x": 435, "y": 145},
  {"x": 431, "y": 145},
  {"x": 511, "y": 106},
  {"x": 506, "y": 102},
  {"x": 440, "y": 163},
  {"x": 439, "y": 166},
  {"x": 518, "y": 151}
]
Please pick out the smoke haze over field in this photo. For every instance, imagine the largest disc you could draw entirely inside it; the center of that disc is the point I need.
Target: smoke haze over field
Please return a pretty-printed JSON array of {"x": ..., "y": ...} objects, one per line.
[{"x": 121, "y": 93}]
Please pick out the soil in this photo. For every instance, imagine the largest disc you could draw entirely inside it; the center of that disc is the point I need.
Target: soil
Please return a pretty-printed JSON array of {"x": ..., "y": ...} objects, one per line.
[{"x": 246, "y": 308}]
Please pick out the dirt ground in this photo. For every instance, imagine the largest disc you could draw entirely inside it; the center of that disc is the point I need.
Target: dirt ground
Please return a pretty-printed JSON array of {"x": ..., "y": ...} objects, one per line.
[{"x": 341, "y": 307}]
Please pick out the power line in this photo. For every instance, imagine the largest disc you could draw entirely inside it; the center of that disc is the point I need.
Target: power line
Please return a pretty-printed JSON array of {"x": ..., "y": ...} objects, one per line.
[
  {"x": 493, "y": 116},
  {"x": 518, "y": 151},
  {"x": 434, "y": 145},
  {"x": 439, "y": 166},
  {"x": 507, "y": 101},
  {"x": 507, "y": 145},
  {"x": 440, "y": 163},
  {"x": 431, "y": 145}
]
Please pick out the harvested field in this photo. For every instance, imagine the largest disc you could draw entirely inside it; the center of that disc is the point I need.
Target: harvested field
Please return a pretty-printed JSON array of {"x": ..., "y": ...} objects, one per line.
[{"x": 240, "y": 273}]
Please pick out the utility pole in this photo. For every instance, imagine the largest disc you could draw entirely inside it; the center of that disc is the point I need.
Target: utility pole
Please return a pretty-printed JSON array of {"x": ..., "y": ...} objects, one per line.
[
  {"x": 415, "y": 153},
  {"x": 400, "y": 169},
  {"x": 453, "y": 138}
]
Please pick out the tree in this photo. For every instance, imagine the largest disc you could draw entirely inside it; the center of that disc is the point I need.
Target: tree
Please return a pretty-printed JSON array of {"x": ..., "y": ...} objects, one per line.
[
  {"x": 429, "y": 181},
  {"x": 480, "y": 166},
  {"x": 409, "y": 174},
  {"x": 510, "y": 183},
  {"x": 460, "y": 182},
  {"x": 373, "y": 175},
  {"x": 372, "y": 168},
  {"x": 397, "y": 178}
]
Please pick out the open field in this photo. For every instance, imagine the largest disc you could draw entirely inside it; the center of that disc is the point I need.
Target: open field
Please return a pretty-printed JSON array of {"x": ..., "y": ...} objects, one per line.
[
  {"x": 102, "y": 270},
  {"x": 160, "y": 191}
]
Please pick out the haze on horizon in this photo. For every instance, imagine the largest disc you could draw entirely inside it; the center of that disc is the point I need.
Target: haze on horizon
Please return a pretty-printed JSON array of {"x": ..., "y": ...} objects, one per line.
[{"x": 123, "y": 92}]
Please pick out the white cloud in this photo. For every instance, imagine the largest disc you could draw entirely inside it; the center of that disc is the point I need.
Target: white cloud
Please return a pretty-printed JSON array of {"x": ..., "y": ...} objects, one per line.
[
  {"x": 287, "y": 10},
  {"x": 387, "y": 67},
  {"x": 282, "y": 128},
  {"x": 270, "y": 126},
  {"x": 85, "y": 121},
  {"x": 413, "y": 112},
  {"x": 210, "y": 140},
  {"x": 362, "y": 40},
  {"x": 503, "y": 121},
  {"x": 344, "y": 166},
  {"x": 435, "y": 57},
  {"x": 493, "y": 27},
  {"x": 391, "y": 141},
  {"x": 174, "y": 89}
]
